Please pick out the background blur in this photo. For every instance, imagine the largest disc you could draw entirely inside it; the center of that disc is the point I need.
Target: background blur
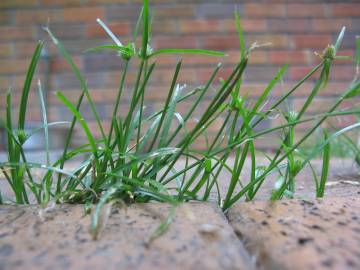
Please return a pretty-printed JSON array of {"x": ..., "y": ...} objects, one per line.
[{"x": 295, "y": 28}]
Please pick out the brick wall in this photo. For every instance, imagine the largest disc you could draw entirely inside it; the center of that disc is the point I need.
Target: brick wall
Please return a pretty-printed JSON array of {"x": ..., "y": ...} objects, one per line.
[{"x": 295, "y": 28}]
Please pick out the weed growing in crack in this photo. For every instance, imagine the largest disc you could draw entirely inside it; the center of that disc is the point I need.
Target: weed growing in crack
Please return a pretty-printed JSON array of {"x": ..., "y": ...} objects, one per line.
[{"x": 130, "y": 163}]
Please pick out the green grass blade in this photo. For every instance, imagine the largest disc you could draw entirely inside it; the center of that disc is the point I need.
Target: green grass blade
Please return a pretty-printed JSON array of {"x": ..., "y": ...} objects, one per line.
[
  {"x": 36, "y": 165},
  {"x": 169, "y": 115},
  {"x": 137, "y": 26},
  {"x": 80, "y": 78},
  {"x": 166, "y": 105},
  {"x": 145, "y": 33},
  {"x": 81, "y": 120},
  {"x": 196, "y": 102},
  {"x": 121, "y": 49},
  {"x": 118, "y": 99},
  {"x": 267, "y": 90},
  {"x": 163, "y": 226},
  {"x": 40, "y": 128},
  {"x": 325, "y": 167},
  {"x": 353, "y": 91},
  {"x": 340, "y": 38},
  {"x": 9, "y": 128},
  {"x": 109, "y": 32},
  {"x": 315, "y": 177},
  {"x": 253, "y": 169},
  {"x": 241, "y": 34},
  {"x": 147, "y": 136},
  {"x": 205, "y": 177},
  {"x": 27, "y": 85},
  {"x": 357, "y": 56},
  {"x": 78, "y": 105},
  {"x": 186, "y": 51},
  {"x": 131, "y": 129},
  {"x": 235, "y": 176},
  {"x": 288, "y": 94},
  {"x": 45, "y": 122},
  {"x": 333, "y": 136}
]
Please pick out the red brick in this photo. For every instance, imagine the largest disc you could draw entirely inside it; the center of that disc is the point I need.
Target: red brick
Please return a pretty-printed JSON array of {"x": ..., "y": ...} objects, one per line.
[
  {"x": 337, "y": 73},
  {"x": 330, "y": 25},
  {"x": 199, "y": 26},
  {"x": 174, "y": 11},
  {"x": 165, "y": 60},
  {"x": 220, "y": 42},
  {"x": 72, "y": 31},
  {"x": 342, "y": 73},
  {"x": 343, "y": 122},
  {"x": 118, "y": 28},
  {"x": 296, "y": 73},
  {"x": 62, "y": 3},
  {"x": 174, "y": 42},
  {"x": 74, "y": 46},
  {"x": 273, "y": 41},
  {"x": 349, "y": 53},
  {"x": 319, "y": 105},
  {"x": 200, "y": 60},
  {"x": 84, "y": 14},
  {"x": 335, "y": 88},
  {"x": 303, "y": 90},
  {"x": 248, "y": 25},
  {"x": 38, "y": 16},
  {"x": 205, "y": 25},
  {"x": 313, "y": 41},
  {"x": 156, "y": 93},
  {"x": 110, "y": 1},
  {"x": 141, "y": 1},
  {"x": 289, "y": 57},
  {"x": 13, "y": 66},
  {"x": 59, "y": 64},
  {"x": 18, "y": 3},
  {"x": 264, "y": 10},
  {"x": 16, "y": 33},
  {"x": 5, "y": 50},
  {"x": 204, "y": 74},
  {"x": 5, "y": 82},
  {"x": 160, "y": 27},
  {"x": 15, "y": 81},
  {"x": 306, "y": 10},
  {"x": 24, "y": 49},
  {"x": 232, "y": 57},
  {"x": 290, "y": 25},
  {"x": 5, "y": 17},
  {"x": 255, "y": 89},
  {"x": 258, "y": 57},
  {"x": 345, "y": 10}
]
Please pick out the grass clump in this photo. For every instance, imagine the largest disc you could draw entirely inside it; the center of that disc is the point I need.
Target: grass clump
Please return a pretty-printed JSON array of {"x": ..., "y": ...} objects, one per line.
[
  {"x": 347, "y": 145},
  {"x": 130, "y": 163}
]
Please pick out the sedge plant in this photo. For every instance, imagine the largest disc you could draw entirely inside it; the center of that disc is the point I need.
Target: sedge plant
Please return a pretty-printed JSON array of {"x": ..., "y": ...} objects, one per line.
[{"x": 142, "y": 158}]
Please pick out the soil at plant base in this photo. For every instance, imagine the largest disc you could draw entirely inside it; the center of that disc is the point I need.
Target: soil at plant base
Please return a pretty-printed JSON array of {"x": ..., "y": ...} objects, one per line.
[{"x": 58, "y": 238}]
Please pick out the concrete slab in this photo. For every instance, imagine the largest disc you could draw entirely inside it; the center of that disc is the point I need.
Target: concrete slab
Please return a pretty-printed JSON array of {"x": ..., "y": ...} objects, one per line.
[
  {"x": 301, "y": 234},
  {"x": 198, "y": 238}
]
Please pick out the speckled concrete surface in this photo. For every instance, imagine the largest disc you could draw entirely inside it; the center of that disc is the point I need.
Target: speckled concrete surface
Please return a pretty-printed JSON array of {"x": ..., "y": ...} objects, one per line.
[
  {"x": 301, "y": 234},
  {"x": 199, "y": 238}
]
